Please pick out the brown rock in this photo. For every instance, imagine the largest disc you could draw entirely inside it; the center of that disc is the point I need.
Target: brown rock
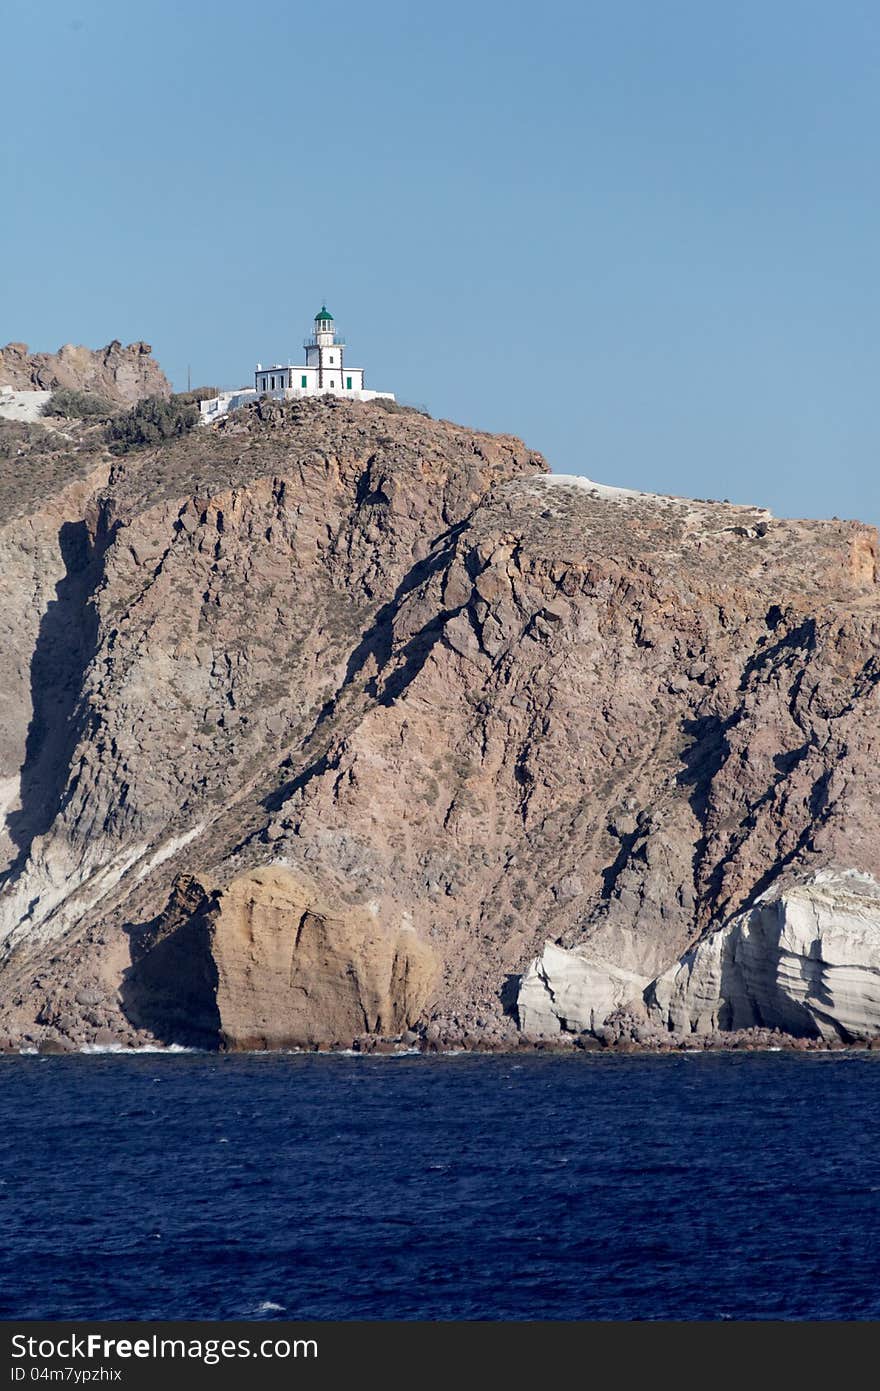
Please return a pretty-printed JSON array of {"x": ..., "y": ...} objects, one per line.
[
  {"x": 266, "y": 963},
  {"x": 388, "y": 655},
  {"x": 105, "y": 1038},
  {"x": 124, "y": 375},
  {"x": 88, "y": 995},
  {"x": 291, "y": 970}
]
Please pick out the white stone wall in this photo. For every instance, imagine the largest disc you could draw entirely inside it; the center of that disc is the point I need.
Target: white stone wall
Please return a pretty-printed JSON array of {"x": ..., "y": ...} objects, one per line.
[{"x": 216, "y": 406}]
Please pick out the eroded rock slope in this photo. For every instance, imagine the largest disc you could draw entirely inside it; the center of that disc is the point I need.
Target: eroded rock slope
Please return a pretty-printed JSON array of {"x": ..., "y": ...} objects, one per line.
[{"x": 466, "y": 706}]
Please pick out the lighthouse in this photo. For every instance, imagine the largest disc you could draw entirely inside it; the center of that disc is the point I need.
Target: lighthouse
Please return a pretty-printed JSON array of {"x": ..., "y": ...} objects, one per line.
[
  {"x": 325, "y": 371},
  {"x": 325, "y": 351}
]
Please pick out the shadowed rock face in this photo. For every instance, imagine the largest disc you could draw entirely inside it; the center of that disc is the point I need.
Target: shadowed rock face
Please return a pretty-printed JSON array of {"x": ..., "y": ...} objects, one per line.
[
  {"x": 399, "y": 659},
  {"x": 124, "y": 375}
]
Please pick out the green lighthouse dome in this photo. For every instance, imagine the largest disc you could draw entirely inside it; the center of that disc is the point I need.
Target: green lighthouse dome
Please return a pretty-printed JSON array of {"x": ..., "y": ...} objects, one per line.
[{"x": 324, "y": 314}]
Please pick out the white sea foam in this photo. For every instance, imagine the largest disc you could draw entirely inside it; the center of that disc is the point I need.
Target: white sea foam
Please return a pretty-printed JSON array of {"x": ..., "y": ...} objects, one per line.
[{"x": 146, "y": 1048}]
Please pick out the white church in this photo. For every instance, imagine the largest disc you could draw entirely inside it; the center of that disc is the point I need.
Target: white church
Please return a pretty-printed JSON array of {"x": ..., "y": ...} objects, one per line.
[{"x": 324, "y": 373}]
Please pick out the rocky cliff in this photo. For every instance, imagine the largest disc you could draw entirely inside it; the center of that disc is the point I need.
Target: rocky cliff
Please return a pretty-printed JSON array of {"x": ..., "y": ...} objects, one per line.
[
  {"x": 265, "y": 963},
  {"x": 123, "y": 375},
  {"x": 331, "y": 664},
  {"x": 805, "y": 958}
]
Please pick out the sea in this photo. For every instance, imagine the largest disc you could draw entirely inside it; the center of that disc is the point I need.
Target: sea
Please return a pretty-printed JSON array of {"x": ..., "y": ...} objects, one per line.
[{"x": 197, "y": 1186}]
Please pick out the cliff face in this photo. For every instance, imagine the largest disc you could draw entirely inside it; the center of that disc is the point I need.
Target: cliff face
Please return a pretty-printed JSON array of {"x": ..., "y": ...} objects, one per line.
[
  {"x": 450, "y": 705},
  {"x": 803, "y": 959},
  {"x": 124, "y": 375},
  {"x": 265, "y": 963}
]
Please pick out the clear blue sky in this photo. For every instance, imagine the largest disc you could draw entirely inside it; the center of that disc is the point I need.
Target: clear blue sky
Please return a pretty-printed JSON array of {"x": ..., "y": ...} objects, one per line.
[{"x": 643, "y": 235}]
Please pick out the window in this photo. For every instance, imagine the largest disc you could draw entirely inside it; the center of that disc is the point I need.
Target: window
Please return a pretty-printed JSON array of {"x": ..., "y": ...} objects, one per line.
[
  {"x": 348, "y": 383},
  {"x": 304, "y": 381},
  {"x": 332, "y": 382}
]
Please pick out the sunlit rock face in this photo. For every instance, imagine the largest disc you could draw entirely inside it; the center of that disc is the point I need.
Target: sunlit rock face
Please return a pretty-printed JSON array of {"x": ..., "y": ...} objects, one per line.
[
  {"x": 805, "y": 959},
  {"x": 115, "y": 373},
  {"x": 567, "y": 991},
  {"x": 267, "y": 962}
]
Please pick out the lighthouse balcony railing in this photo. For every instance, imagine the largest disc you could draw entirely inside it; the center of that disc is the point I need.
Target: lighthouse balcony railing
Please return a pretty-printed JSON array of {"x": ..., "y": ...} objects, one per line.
[{"x": 312, "y": 342}]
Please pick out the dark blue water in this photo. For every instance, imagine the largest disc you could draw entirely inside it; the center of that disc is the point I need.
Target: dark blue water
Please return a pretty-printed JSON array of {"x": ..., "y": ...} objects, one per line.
[{"x": 469, "y": 1187}]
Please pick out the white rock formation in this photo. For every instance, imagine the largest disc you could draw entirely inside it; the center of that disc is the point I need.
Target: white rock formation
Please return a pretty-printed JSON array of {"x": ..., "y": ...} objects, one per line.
[
  {"x": 572, "y": 991},
  {"x": 804, "y": 959},
  {"x": 22, "y": 405}
]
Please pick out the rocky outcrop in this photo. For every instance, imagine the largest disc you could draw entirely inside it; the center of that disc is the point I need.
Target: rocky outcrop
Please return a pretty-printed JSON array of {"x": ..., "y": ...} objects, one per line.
[
  {"x": 265, "y": 963},
  {"x": 124, "y": 375},
  {"x": 804, "y": 959},
  {"x": 567, "y": 991},
  {"x": 293, "y": 970},
  {"x": 404, "y": 661}
]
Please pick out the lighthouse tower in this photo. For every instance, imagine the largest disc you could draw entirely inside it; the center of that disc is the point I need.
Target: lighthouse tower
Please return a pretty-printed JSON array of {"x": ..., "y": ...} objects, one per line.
[{"x": 325, "y": 351}]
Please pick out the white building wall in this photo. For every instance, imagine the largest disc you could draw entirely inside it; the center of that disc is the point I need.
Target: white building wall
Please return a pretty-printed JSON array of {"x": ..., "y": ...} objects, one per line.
[
  {"x": 279, "y": 378},
  {"x": 331, "y": 358}
]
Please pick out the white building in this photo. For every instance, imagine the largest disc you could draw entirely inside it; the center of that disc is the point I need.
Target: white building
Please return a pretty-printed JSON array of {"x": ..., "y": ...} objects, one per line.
[{"x": 324, "y": 373}]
